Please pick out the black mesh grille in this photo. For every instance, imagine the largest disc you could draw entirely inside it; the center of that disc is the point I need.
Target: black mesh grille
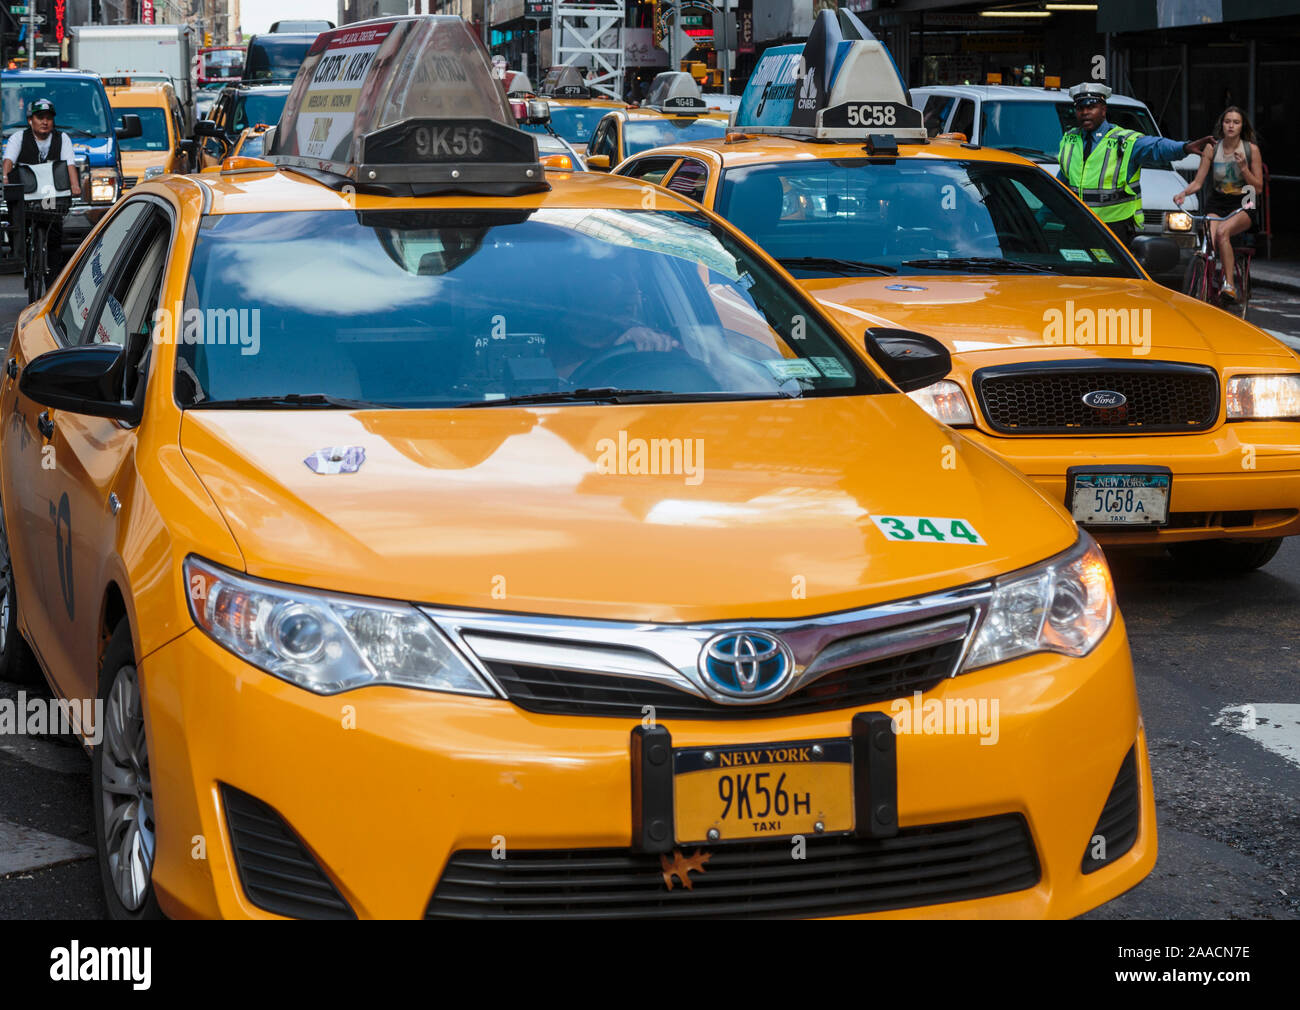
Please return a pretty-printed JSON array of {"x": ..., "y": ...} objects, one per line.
[
  {"x": 563, "y": 692},
  {"x": 275, "y": 869},
  {"x": 1161, "y": 397},
  {"x": 1118, "y": 824},
  {"x": 840, "y": 876},
  {"x": 128, "y": 181}
]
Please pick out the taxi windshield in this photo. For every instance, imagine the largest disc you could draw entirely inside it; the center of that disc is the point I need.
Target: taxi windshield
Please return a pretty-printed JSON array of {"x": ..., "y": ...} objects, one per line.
[
  {"x": 420, "y": 308},
  {"x": 253, "y": 109},
  {"x": 575, "y": 123},
  {"x": 153, "y": 125},
  {"x": 1039, "y": 126},
  {"x": 820, "y": 217},
  {"x": 641, "y": 135},
  {"x": 81, "y": 108}
]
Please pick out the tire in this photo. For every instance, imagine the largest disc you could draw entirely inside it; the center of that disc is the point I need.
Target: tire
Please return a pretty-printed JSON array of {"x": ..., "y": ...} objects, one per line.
[
  {"x": 1243, "y": 286},
  {"x": 121, "y": 788},
  {"x": 1224, "y": 557},
  {"x": 1196, "y": 280},
  {"x": 18, "y": 663}
]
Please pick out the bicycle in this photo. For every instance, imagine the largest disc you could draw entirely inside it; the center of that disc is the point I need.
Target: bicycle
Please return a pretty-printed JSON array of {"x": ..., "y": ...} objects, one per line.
[
  {"x": 41, "y": 197},
  {"x": 1204, "y": 276}
]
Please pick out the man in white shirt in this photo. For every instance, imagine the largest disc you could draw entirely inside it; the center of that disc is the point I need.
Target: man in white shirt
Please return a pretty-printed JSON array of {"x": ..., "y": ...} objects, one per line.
[{"x": 37, "y": 144}]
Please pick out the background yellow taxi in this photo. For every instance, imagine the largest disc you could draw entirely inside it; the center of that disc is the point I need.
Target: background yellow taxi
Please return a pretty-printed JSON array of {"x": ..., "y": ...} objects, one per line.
[
  {"x": 161, "y": 148},
  {"x": 673, "y": 112}
]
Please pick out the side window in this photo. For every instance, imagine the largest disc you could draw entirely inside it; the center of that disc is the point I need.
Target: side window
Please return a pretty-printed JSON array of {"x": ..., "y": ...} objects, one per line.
[
  {"x": 129, "y": 306},
  {"x": 93, "y": 270},
  {"x": 691, "y": 180},
  {"x": 935, "y": 113},
  {"x": 603, "y": 141},
  {"x": 963, "y": 121},
  {"x": 649, "y": 169}
]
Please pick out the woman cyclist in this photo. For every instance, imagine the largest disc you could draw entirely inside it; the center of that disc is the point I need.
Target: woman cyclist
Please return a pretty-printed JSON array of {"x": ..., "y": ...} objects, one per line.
[{"x": 1235, "y": 161}]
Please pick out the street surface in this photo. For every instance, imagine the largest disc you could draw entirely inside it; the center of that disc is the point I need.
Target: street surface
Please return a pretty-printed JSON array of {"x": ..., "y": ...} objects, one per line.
[{"x": 1218, "y": 672}]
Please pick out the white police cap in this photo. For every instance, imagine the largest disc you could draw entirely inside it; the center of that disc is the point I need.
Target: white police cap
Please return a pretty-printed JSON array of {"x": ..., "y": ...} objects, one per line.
[{"x": 1090, "y": 91}]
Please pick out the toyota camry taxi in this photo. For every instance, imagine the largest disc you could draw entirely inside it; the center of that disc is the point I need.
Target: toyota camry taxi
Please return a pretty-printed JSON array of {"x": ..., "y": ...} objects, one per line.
[
  {"x": 410, "y": 593},
  {"x": 674, "y": 112},
  {"x": 1154, "y": 418}
]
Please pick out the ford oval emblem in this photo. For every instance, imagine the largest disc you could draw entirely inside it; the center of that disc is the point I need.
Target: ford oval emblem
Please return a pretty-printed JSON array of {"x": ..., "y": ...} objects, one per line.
[
  {"x": 746, "y": 664},
  {"x": 1104, "y": 399}
]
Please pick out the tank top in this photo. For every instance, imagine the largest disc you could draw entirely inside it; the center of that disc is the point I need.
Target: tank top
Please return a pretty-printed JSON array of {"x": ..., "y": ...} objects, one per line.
[{"x": 1227, "y": 173}]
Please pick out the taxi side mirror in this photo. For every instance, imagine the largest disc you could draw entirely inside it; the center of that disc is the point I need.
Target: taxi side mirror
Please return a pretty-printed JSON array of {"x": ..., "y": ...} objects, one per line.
[
  {"x": 81, "y": 380},
  {"x": 911, "y": 360},
  {"x": 130, "y": 127},
  {"x": 1157, "y": 255},
  {"x": 206, "y": 128},
  {"x": 598, "y": 162}
]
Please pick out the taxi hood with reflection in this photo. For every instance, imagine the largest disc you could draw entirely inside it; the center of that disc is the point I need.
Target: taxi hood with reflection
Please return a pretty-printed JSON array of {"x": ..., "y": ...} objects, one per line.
[{"x": 449, "y": 506}]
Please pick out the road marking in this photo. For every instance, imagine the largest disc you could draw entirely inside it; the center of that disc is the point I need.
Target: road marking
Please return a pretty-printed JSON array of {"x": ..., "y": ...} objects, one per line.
[
  {"x": 1286, "y": 338},
  {"x": 23, "y": 849},
  {"x": 47, "y": 755},
  {"x": 1274, "y": 727}
]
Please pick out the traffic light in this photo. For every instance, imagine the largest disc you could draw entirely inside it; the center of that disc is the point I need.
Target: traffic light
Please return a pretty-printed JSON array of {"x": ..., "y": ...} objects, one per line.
[{"x": 207, "y": 38}]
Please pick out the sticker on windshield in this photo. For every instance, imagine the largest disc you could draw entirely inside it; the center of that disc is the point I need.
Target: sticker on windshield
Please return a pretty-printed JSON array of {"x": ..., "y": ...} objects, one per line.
[
  {"x": 1076, "y": 255},
  {"x": 1102, "y": 255},
  {"x": 928, "y": 529},
  {"x": 832, "y": 368},
  {"x": 792, "y": 368}
]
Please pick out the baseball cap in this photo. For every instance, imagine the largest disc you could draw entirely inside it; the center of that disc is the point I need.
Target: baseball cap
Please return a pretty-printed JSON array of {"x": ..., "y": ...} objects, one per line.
[{"x": 41, "y": 105}]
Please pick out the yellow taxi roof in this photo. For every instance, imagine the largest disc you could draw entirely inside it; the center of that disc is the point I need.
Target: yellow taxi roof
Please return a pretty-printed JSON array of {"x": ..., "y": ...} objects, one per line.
[
  {"x": 740, "y": 148},
  {"x": 642, "y": 112},
  {"x": 592, "y": 103},
  {"x": 145, "y": 93},
  {"x": 251, "y": 191}
]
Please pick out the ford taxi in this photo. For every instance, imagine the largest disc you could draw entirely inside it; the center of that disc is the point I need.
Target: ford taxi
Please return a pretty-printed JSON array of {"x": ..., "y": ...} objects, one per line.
[
  {"x": 409, "y": 593},
  {"x": 674, "y": 112},
  {"x": 161, "y": 147},
  {"x": 1154, "y": 418}
]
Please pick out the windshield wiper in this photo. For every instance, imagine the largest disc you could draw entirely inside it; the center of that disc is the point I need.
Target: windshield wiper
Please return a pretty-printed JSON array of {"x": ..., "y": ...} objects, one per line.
[
  {"x": 980, "y": 264},
  {"x": 594, "y": 394},
  {"x": 80, "y": 133},
  {"x": 289, "y": 400},
  {"x": 837, "y": 265}
]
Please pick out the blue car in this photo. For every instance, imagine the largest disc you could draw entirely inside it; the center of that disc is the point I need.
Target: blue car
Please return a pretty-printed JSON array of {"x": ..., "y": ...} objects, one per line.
[{"x": 82, "y": 112}]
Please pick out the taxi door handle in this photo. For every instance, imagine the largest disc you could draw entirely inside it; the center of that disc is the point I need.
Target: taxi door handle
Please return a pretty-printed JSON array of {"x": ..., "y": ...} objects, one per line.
[
  {"x": 12, "y": 368},
  {"x": 45, "y": 425}
]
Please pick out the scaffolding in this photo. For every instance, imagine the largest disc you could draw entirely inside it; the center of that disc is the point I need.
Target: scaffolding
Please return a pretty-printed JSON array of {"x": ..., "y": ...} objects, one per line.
[{"x": 590, "y": 34}]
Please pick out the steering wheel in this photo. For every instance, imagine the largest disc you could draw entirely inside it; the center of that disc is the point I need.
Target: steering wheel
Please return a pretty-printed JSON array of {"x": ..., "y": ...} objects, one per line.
[{"x": 624, "y": 367}]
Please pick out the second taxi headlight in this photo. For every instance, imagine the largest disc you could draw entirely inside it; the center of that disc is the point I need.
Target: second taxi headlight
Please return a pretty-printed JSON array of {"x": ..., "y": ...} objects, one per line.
[
  {"x": 325, "y": 642},
  {"x": 1065, "y": 605},
  {"x": 944, "y": 401},
  {"x": 103, "y": 187},
  {"x": 1263, "y": 397}
]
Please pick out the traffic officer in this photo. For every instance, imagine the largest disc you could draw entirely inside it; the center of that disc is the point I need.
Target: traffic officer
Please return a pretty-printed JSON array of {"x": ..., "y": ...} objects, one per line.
[{"x": 1103, "y": 163}]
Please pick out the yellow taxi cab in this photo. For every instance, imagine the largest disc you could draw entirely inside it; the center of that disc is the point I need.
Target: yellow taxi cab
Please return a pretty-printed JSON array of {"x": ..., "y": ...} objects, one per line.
[
  {"x": 674, "y": 113},
  {"x": 407, "y": 593},
  {"x": 161, "y": 148},
  {"x": 574, "y": 107},
  {"x": 1154, "y": 418},
  {"x": 249, "y": 144}
]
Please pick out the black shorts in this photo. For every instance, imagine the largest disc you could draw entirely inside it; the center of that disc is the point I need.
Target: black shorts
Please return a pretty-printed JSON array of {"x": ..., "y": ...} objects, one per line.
[{"x": 1221, "y": 204}]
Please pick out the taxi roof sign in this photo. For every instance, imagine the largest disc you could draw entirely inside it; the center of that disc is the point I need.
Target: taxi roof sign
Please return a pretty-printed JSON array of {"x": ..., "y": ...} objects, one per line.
[
  {"x": 676, "y": 92},
  {"x": 564, "y": 82},
  {"x": 405, "y": 105},
  {"x": 842, "y": 84}
]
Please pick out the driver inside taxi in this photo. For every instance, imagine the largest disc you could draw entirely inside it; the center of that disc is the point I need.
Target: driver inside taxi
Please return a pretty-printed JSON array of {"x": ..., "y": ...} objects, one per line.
[{"x": 609, "y": 319}]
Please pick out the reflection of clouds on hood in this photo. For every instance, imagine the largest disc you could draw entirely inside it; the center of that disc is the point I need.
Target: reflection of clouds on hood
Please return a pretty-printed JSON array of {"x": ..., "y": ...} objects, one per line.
[{"x": 338, "y": 278}]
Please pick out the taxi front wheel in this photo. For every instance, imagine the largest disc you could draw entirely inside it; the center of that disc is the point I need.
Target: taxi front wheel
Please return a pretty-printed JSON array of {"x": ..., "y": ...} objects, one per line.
[
  {"x": 1216, "y": 557},
  {"x": 17, "y": 661},
  {"x": 122, "y": 789}
]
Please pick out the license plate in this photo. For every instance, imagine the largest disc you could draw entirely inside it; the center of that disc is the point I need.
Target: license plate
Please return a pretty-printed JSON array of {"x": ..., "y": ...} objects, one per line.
[
  {"x": 771, "y": 790},
  {"x": 1120, "y": 498}
]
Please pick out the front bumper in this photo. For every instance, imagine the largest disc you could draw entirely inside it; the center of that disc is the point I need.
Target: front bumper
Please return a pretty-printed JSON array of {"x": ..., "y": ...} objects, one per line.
[
  {"x": 1240, "y": 480},
  {"x": 383, "y": 785}
]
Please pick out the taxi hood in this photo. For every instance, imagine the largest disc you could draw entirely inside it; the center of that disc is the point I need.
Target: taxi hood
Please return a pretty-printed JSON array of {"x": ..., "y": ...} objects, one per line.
[
  {"x": 667, "y": 512},
  {"x": 1054, "y": 315}
]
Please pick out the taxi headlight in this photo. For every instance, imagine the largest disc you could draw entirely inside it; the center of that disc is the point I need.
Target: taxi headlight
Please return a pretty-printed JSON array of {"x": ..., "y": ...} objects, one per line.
[
  {"x": 324, "y": 642},
  {"x": 1065, "y": 605},
  {"x": 944, "y": 401},
  {"x": 103, "y": 187},
  {"x": 153, "y": 171},
  {"x": 1263, "y": 396},
  {"x": 1179, "y": 220}
]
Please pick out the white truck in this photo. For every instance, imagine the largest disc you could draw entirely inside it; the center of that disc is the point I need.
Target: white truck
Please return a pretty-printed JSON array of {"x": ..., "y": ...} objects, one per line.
[{"x": 143, "y": 50}]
